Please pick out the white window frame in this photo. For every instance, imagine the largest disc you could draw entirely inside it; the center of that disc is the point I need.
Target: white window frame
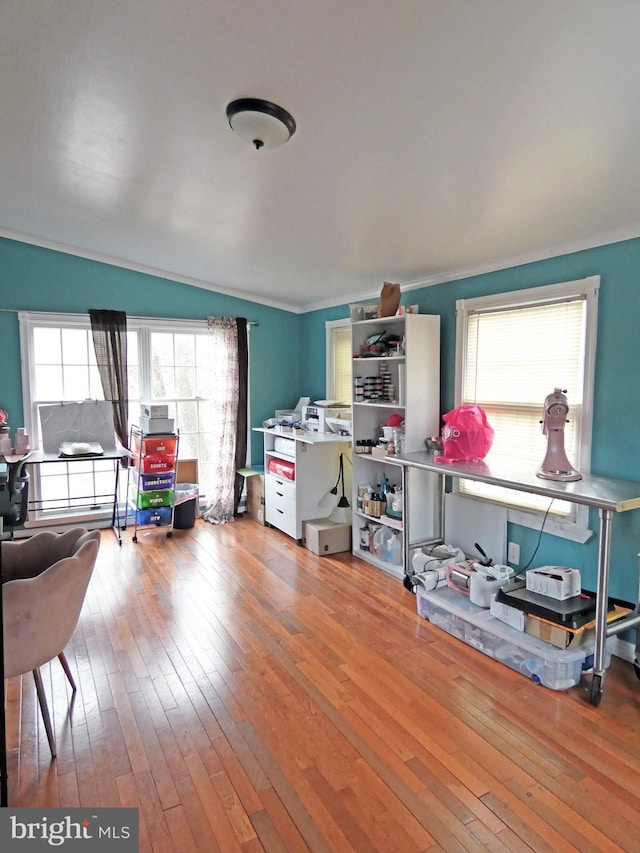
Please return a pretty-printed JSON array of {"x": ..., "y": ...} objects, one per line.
[
  {"x": 330, "y": 327},
  {"x": 575, "y": 528},
  {"x": 142, "y": 326}
]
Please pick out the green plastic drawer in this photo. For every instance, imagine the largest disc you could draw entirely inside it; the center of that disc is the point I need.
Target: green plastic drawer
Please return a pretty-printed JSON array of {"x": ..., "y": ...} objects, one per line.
[{"x": 147, "y": 500}]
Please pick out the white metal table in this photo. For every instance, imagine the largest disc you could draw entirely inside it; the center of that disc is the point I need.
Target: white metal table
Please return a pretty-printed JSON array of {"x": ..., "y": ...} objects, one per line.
[{"x": 606, "y": 494}]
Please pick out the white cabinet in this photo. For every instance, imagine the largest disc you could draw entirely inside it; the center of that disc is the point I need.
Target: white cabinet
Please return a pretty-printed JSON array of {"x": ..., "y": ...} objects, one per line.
[
  {"x": 298, "y": 471},
  {"x": 405, "y": 383}
]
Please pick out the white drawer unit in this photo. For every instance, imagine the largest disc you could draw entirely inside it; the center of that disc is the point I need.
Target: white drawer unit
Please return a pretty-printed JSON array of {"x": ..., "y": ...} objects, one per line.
[
  {"x": 280, "y": 504},
  {"x": 299, "y": 471}
]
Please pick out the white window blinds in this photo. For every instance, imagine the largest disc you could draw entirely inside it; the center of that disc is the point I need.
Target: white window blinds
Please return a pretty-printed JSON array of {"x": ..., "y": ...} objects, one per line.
[
  {"x": 516, "y": 348},
  {"x": 339, "y": 385},
  {"x": 513, "y": 354}
]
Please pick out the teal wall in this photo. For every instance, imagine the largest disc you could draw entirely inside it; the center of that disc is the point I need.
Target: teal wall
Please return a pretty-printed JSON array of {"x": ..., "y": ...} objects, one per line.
[
  {"x": 37, "y": 279},
  {"x": 288, "y": 354},
  {"x": 616, "y": 434}
]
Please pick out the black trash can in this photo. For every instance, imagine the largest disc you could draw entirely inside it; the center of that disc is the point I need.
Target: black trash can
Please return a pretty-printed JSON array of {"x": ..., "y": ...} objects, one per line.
[{"x": 185, "y": 505}]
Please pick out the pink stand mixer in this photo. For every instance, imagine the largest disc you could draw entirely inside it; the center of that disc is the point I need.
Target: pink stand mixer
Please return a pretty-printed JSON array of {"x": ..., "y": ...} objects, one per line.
[{"x": 556, "y": 466}]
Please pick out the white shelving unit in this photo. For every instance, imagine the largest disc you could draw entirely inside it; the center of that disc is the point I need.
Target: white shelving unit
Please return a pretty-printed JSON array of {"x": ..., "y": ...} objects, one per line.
[
  {"x": 311, "y": 461},
  {"x": 415, "y": 378}
]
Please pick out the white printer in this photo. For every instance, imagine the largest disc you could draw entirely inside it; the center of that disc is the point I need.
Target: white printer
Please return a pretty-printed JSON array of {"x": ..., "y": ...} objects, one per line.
[{"x": 316, "y": 418}]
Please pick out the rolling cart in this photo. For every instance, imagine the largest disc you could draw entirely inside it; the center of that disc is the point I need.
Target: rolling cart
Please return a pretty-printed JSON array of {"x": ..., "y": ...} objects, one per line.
[{"x": 151, "y": 479}]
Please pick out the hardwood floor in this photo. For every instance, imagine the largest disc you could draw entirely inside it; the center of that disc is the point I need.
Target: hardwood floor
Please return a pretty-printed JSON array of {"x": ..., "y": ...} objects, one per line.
[{"x": 247, "y": 695}]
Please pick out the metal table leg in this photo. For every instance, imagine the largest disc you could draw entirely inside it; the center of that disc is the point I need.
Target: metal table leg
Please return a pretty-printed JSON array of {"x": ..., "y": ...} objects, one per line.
[
  {"x": 404, "y": 485},
  {"x": 604, "y": 552},
  {"x": 115, "y": 515},
  {"x": 407, "y": 544}
]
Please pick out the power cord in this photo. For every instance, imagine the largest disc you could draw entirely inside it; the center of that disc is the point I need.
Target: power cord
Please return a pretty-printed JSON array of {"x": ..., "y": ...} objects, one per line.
[{"x": 544, "y": 521}]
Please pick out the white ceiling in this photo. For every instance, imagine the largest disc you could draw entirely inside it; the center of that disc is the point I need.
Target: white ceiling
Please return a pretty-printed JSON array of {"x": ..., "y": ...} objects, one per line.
[{"x": 435, "y": 137}]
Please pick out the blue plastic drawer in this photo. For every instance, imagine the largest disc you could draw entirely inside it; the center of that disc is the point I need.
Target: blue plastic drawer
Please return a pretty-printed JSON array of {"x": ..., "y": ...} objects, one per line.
[{"x": 155, "y": 515}]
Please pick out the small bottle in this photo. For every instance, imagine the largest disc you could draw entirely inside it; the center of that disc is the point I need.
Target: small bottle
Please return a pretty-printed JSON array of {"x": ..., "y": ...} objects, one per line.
[
  {"x": 389, "y": 553},
  {"x": 376, "y": 502},
  {"x": 379, "y": 544},
  {"x": 396, "y": 550},
  {"x": 384, "y": 493},
  {"x": 396, "y": 503}
]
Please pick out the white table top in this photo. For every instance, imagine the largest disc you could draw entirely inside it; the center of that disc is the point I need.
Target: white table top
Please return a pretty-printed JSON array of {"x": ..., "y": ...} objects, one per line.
[{"x": 307, "y": 437}]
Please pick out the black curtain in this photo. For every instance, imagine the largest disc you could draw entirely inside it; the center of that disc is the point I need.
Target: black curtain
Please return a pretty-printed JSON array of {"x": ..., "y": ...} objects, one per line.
[
  {"x": 241, "y": 431},
  {"x": 109, "y": 330}
]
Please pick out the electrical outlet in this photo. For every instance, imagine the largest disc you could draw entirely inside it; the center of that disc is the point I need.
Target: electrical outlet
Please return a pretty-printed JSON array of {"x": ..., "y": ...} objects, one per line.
[{"x": 513, "y": 553}]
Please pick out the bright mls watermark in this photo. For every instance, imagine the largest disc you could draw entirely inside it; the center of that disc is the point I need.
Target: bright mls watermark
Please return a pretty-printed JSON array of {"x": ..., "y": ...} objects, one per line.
[{"x": 80, "y": 829}]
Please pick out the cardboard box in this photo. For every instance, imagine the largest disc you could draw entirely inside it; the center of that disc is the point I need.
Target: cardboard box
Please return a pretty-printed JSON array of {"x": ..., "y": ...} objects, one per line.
[
  {"x": 187, "y": 471},
  {"x": 569, "y": 638},
  {"x": 556, "y": 635},
  {"x": 557, "y": 582},
  {"x": 509, "y": 615},
  {"x": 363, "y": 311},
  {"x": 379, "y": 451},
  {"x": 156, "y": 425},
  {"x": 323, "y": 536},
  {"x": 154, "y": 410},
  {"x": 255, "y": 497}
]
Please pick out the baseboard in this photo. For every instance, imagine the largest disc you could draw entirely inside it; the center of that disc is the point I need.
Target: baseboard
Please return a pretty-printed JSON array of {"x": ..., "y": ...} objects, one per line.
[{"x": 623, "y": 649}]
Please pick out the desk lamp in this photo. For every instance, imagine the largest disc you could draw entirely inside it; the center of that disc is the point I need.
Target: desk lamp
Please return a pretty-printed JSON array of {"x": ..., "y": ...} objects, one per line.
[{"x": 341, "y": 513}]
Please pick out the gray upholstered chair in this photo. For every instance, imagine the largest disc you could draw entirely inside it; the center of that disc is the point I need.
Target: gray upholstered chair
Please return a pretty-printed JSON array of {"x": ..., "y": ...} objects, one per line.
[{"x": 45, "y": 581}]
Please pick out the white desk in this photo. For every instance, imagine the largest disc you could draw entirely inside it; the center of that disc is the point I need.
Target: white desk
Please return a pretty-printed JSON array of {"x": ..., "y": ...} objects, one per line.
[
  {"x": 605, "y": 494},
  {"x": 315, "y": 456}
]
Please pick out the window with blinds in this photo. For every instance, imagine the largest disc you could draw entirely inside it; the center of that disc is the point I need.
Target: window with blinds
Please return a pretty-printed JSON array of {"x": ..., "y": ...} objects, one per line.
[
  {"x": 339, "y": 357},
  {"x": 513, "y": 350}
]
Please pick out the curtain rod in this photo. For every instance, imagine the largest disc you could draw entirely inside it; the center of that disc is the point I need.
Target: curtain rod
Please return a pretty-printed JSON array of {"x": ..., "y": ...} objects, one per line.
[
  {"x": 131, "y": 317},
  {"x": 196, "y": 320}
]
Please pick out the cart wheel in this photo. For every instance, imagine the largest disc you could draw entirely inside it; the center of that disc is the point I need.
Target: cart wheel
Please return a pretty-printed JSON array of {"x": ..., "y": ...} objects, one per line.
[
  {"x": 169, "y": 534},
  {"x": 636, "y": 667},
  {"x": 406, "y": 582},
  {"x": 595, "y": 690}
]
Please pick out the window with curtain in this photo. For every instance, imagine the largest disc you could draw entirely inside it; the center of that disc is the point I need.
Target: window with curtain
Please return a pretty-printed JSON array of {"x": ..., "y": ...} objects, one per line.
[
  {"x": 512, "y": 350},
  {"x": 59, "y": 365},
  {"x": 339, "y": 357},
  {"x": 169, "y": 361}
]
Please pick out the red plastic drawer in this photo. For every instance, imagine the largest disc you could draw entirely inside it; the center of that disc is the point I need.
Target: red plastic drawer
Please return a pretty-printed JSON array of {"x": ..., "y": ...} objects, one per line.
[
  {"x": 153, "y": 445},
  {"x": 156, "y": 464}
]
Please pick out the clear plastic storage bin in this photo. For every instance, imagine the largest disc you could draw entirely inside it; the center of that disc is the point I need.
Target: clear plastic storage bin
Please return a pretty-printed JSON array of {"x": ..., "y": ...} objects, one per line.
[{"x": 541, "y": 662}]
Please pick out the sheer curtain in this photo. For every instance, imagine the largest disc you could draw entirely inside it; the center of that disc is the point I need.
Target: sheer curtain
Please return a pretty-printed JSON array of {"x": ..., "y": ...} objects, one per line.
[
  {"x": 109, "y": 329},
  {"x": 230, "y": 373}
]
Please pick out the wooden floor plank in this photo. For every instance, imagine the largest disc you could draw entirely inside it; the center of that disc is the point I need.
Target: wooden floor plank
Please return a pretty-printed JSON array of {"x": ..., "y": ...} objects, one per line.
[{"x": 245, "y": 694}]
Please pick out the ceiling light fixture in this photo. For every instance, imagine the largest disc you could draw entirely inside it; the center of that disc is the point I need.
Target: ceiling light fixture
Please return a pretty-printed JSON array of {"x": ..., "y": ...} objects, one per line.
[{"x": 261, "y": 123}]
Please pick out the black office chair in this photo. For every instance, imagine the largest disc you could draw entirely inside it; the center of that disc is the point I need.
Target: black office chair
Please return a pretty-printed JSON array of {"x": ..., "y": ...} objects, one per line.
[{"x": 14, "y": 496}]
